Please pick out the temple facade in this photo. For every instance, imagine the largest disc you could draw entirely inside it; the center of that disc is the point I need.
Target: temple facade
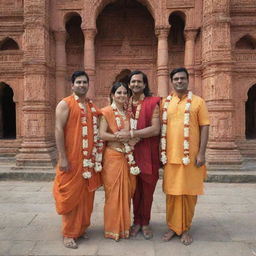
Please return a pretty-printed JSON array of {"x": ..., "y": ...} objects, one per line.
[{"x": 42, "y": 42}]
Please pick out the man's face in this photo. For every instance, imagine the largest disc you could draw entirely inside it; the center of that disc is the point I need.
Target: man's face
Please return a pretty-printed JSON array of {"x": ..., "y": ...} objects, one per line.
[
  {"x": 180, "y": 82},
  {"x": 80, "y": 86},
  {"x": 136, "y": 84}
]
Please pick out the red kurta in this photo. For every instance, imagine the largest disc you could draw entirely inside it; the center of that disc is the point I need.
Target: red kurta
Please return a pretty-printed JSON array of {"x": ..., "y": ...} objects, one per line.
[{"x": 146, "y": 155}]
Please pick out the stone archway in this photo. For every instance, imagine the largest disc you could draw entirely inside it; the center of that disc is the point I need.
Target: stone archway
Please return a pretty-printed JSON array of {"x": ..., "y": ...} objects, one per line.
[
  {"x": 7, "y": 113},
  {"x": 125, "y": 41},
  {"x": 250, "y": 113}
]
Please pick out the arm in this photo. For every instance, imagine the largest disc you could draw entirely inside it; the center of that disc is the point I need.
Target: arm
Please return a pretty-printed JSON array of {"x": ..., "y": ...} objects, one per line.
[
  {"x": 104, "y": 135},
  {"x": 204, "y": 133},
  {"x": 62, "y": 112},
  {"x": 152, "y": 130}
]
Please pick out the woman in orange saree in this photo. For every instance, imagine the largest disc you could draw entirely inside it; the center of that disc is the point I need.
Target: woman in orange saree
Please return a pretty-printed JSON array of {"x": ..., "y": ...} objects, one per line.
[{"x": 119, "y": 183}]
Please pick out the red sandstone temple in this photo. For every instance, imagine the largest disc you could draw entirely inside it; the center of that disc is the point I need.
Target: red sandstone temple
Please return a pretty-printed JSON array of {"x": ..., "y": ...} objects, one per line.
[{"x": 43, "y": 41}]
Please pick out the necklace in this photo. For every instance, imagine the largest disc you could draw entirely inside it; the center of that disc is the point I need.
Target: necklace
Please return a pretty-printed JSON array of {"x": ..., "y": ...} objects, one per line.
[
  {"x": 185, "y": 159},
  {"x": 134, "y": 169},
  {"x": 93, "y": 162}
]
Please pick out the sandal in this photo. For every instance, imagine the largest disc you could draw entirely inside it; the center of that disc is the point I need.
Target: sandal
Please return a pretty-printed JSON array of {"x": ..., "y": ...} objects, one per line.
[
  {"x": 134, "y": 230},
  {"x": 147, "y": 232}
]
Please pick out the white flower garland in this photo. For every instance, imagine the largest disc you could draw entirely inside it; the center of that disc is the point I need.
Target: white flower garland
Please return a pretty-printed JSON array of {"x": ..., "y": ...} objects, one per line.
[
  {"x": 134, "y": 169},
  {"x": 134, "y": 118},
  {"x": 185, "y": 159},
  {"x": 95, "y": 161}
]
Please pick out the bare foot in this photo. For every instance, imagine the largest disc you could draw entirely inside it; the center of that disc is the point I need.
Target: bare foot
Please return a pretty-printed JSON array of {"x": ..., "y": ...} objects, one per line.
[
  {"x": 69, "y": 243},
  {"x": 186, "y": 238},
  {"x": 134, "y": 230},
  {"x": 85, "y": 236},
  {"x": 147, "y": 232},
  {"x": 168, "y": 235}
]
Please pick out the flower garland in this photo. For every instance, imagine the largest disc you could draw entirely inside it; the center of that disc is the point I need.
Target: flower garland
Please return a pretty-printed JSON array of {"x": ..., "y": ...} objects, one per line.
[
  {"x": 93, "y": 162},
  {"x": 135, "y": 118},
  {"x": 185, "y": 159},
  {"x": 134, "y": 169}
]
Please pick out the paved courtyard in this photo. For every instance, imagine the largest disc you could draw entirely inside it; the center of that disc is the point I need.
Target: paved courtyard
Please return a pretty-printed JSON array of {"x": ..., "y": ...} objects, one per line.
[{"x": 224, "y": 224}]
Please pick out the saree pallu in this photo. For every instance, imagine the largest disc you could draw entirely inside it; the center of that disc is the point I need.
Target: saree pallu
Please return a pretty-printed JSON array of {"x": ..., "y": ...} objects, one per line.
[{"x": 119, "y": 187}]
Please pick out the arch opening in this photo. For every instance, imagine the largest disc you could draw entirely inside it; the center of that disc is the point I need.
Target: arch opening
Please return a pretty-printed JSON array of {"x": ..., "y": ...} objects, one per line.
[
  {"x": 176, "y": 40},
  {"x": 7, "y": 113},
  {"x": 246, "y": 42},
  {"x": 8, "y": 44},
  {"x": 250, "y": 113},
  {"x": 74, "y": 43},
  {"x": 123, "y": 76},
  {"x": 125, "y": 41}
]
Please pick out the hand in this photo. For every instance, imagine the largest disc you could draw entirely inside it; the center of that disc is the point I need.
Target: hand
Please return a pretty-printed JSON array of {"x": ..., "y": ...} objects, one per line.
[
  {"x": 123, "y": 135},
  {"x": 63, "y": 164},
  {"x": 200, "y": 160},
  {"x": 132, "y": 142}
]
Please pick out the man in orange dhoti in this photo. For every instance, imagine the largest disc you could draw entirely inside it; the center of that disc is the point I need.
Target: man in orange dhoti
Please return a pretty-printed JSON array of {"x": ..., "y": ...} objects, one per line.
[
  {"x": 79, "y": 152},
  {"x": 184, "y": 138}
]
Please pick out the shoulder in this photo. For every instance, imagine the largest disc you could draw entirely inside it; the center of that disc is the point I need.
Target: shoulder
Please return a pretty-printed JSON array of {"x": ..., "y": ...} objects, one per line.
[
  {"x": 152, "y": 99},
  {"x": 106, "y": 110},
  {"x": 197, "y": 99}
]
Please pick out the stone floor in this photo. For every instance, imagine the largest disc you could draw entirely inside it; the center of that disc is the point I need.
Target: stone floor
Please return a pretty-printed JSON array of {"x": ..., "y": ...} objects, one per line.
[{"x": 224, "y": 224}]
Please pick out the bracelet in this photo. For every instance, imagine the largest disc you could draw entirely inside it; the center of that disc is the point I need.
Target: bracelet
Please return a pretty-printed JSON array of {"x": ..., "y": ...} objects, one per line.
[{"x": 131, "y": 133}]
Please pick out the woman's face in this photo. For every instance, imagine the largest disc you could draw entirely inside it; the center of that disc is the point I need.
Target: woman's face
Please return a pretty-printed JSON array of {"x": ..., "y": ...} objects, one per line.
[{"x": 120, "y": 96}]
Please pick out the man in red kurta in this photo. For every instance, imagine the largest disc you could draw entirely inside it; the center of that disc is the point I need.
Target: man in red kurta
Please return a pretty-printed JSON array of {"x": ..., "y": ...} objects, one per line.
[
  {"x": 145, "y": 109},
  {"x": 74, "y": 184}
]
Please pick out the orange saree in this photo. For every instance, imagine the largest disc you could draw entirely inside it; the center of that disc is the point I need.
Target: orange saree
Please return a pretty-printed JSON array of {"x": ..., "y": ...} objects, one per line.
[{"x": 119, "y": 187}]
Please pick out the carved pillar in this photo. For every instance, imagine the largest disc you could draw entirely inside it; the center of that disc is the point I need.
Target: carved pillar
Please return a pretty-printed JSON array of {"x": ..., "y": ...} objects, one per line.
[
  {"x": 162, "y": 61},
  {"x": 89, "y": 58},
  {"x": 189, "y": 60},
  {"x": 61, "y": 64},
  {"x": 1, "y": 112},
  {"x": 38, "y": 146},
  {"x": 217, "y": 83}
]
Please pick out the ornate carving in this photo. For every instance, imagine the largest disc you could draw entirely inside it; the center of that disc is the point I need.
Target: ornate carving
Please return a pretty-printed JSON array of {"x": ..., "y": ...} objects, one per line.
[{"x": 180, "y": 3}]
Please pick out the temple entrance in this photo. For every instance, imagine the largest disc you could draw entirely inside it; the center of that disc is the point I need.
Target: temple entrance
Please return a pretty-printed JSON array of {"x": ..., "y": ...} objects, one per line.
[
  {"x": 125, "y": 41},
  {"x": 250, "y": 113},
  {"x": 7, "y": 113}
]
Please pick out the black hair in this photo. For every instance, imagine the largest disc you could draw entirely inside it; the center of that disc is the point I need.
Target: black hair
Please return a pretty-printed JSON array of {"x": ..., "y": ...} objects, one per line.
[
  {"x": 115, "y": 86},
  {"x": 146, "y": 90},
  {"x": 76, "y": 74},
  {"x": 177, "y": 70}
]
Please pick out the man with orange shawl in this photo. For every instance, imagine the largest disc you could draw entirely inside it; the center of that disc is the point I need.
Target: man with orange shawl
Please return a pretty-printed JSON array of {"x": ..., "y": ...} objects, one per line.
[
  {"x": 184, "y": 138},
  {"x": 79, "y": 149}
]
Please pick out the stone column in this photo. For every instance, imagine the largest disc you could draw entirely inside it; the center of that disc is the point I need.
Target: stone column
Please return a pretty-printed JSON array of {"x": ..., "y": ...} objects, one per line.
[
  {"x": 217, "y": 83},
  {"x": 89, "y": 59},
  {"x": 189, "y": 59},
  {"x": 38, "y": 145},
  {"x": 162, "y": 61},
  {"x": 61, "y": 64}
]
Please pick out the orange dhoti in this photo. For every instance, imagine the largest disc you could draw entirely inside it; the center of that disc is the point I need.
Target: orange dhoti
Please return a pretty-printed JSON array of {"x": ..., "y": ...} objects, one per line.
[
  {"x": 119, "y": 187},
  {"x": 77, "y": 221},
  {"x": 181, "y": 185},
  {"x": 179, "y": 212}
]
